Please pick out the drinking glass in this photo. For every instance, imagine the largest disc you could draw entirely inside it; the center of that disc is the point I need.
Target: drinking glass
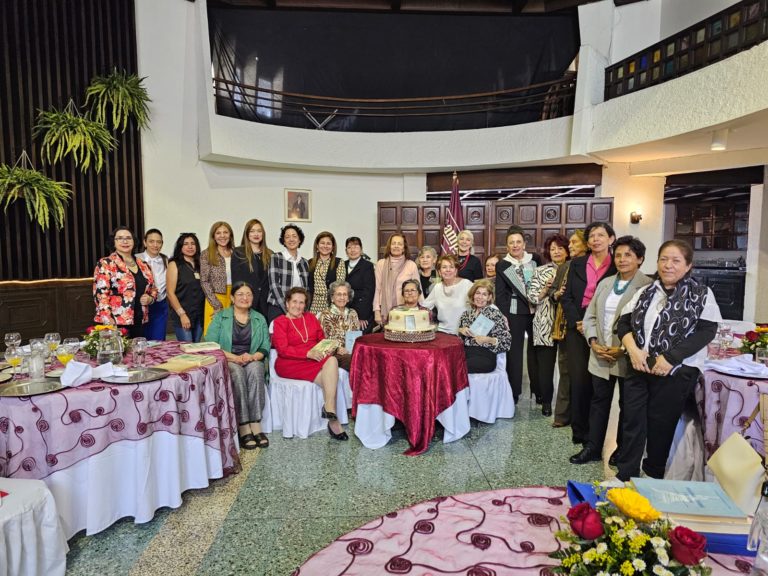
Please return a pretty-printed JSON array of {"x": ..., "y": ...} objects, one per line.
[
  {"x": 39, "y": 351},
  {"x": 726, "y": 335},
  {"x": 53, "y": 339},
  {"x": 139, "y": 349},
  {"x": 761, "y": 355},
  {"x": 13, "y": 357},
  {"x": 12, "y": 339},
  {"x": 66, "y": 352}
]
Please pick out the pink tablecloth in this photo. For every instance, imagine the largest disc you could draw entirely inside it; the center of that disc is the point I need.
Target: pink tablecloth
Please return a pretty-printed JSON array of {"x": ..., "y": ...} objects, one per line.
[
  {"x": 725, "y": 403},
  {"x": 412, "y": 382},
  {"x": 40, "y": 435},
  {"x": 496, "y": 533}
]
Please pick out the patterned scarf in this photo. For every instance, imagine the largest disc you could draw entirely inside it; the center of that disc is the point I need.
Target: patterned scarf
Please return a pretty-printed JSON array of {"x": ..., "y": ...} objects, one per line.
[{"x": 676, "y": 321}]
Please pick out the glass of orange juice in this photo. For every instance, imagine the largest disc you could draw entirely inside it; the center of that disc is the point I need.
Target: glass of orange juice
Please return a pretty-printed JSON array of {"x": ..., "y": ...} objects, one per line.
[
  {"x": 13, "y": 357},
  {"x": 66, "y": 352}
]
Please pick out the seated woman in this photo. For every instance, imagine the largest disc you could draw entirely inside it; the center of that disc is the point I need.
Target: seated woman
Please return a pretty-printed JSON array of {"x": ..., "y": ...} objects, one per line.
[
  {"x": 449, "y": 295},
  {"x": 411, "y": 292},
  {"x": 242, "y": 334},
  {"x": 294, "y": 335},
  {"x": 338, "y": 319},
  {"x": 481, "y": 350}
]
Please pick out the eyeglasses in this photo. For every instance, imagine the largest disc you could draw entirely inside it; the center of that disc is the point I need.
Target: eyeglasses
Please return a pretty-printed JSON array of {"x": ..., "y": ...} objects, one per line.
[
  {"x": 410, "y": 290},
  {"x": 123, "y": 238}
]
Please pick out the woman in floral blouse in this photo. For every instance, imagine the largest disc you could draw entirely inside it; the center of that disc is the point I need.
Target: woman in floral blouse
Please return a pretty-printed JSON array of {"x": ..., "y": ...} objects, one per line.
[
  {"x": 338, "y": 319},
  {"x": 216, "y": 271},
  {"x": 325, "y": 268},
  {"x": 123, "y": 287},
  {"x": 481, "y": 350}
]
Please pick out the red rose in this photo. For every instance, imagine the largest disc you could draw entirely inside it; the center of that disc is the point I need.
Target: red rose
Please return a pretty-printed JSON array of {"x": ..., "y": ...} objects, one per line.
[
  {"x": 687, "y": 546},
  {"x": 752, "y": 336},
  {"x": 124, "y": 331},
  {"x": 585, "y": 521},
  {"x": 89, "y": 329}
]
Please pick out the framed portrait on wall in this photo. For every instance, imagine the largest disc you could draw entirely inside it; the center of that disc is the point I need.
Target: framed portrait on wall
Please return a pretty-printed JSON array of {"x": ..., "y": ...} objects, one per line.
[{"x": 298, "y": 205}]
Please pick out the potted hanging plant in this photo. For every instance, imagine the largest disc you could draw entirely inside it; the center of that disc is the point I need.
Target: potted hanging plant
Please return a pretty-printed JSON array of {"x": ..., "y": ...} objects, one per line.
[
  {"x": 67, "y": 132},
  {"x": 122, "y": 93},
  {"x": 44, "y": 198}
]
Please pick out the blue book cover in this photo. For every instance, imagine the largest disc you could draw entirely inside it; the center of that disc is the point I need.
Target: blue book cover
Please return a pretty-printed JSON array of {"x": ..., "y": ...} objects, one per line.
[{"x": 687, "y": 497}]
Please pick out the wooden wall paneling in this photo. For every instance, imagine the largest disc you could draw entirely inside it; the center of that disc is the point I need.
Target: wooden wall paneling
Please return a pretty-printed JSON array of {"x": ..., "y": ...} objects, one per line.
[
  {"x": 576, "y": 214},
  {"x": 601, "y": 212}
]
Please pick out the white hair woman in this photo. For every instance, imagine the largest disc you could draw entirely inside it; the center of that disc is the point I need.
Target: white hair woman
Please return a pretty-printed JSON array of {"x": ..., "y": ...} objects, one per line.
[
  {"x": 339, "y": 318},
  {"x": 470, "y": 266}
]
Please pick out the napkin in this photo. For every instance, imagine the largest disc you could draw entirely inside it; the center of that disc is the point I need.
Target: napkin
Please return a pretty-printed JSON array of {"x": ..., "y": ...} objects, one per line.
[
  {"x": 740, "y": 364},
  {"x": 77, "y": 373}
]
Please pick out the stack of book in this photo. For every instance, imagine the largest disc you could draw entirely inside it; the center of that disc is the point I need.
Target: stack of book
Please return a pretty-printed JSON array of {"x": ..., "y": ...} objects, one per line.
[{"x": 184, "y": 362}]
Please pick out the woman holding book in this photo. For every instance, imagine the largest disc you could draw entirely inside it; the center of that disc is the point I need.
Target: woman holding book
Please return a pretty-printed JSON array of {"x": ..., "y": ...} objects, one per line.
[
  {"x": 242, "y": 334},
  {"x": 665, "y": 329},
  {"x": 338, "y": 319},
  {"x": 294, "y": 337},
  {"x": 483, "y": 329}
]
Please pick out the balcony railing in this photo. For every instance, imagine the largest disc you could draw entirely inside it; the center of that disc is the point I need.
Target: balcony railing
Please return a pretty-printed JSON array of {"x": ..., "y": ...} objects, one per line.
[
  {"x": 737, "y": 28},
  {"x": 541, "y": 101}
]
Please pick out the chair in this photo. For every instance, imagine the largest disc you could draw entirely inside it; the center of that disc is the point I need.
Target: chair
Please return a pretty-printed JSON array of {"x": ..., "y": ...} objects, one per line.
[{"x": 490, "y": 395}]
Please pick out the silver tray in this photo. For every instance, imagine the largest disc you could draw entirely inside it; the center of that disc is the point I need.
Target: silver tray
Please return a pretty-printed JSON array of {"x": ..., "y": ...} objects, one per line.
[
  {"x": 5, "y": 376},
  {"x": 27, "y": 388},
  {"x": 138, "y": 376}
]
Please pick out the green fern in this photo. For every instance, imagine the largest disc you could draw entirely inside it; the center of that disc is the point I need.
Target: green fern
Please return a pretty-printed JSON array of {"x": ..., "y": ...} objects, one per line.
[
  {"x": 122, "y": 92},
  {"x": 42, "y": 196},
  {"x": 66, "y": 132}
]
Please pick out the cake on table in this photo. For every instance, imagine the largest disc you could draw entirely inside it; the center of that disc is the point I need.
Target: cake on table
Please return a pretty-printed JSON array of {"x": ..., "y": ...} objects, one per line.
[{"x": 409, "y": 325}]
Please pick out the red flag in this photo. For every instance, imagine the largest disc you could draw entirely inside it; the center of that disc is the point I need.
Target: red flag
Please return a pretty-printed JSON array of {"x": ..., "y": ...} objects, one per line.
[{"x": 454, "y": 221}]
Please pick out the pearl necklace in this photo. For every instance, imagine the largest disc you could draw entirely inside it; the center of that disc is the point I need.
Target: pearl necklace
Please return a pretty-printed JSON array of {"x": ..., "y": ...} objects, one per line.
[{"x": 304, "y": 338}]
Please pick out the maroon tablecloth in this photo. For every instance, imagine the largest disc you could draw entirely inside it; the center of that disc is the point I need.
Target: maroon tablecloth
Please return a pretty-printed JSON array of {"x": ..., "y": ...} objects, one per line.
[
  {"x": 507, "y": 532},
  {"x": 725, "y": 403},
  {"x": 412, "y": 382},
  {"x": 40, "y": 435}
]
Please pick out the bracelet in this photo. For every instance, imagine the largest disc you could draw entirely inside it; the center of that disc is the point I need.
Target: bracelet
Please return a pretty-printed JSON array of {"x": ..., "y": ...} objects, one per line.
[{"x": 181, "y": 312}]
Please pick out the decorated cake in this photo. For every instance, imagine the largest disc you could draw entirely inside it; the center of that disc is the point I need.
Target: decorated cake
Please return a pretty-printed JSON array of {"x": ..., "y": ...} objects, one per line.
[{"x": 409, "y": 326}]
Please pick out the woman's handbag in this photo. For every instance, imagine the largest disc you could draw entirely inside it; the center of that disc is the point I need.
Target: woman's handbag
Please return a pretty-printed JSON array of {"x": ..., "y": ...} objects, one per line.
[{"x": 560, "y": 324}]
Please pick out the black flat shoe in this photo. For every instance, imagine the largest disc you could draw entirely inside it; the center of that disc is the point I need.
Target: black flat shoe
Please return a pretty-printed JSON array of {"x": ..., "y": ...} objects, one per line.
[
  {"x": 546, "y": 410},
  {"x": 262, "y": 440},
  {"x": 328, "y": 415},
  {"x": 538, "y": 400},
  {"x": 340, "y": 436},
  {"x": 586, "y": 455},
  {"x": 248, "y": 442},
  {"x": 614, "y": 459}
]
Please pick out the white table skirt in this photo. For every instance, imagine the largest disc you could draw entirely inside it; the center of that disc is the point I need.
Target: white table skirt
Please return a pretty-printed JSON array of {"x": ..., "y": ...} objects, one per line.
[
  {"x": 132, "y": 478},
  {"x": 373, "y": 426},
  {"x": 32, "y": 542}
]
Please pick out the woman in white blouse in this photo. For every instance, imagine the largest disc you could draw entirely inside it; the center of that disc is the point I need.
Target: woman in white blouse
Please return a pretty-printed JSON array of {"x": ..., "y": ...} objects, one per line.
[{"x": 450, "y": 295}]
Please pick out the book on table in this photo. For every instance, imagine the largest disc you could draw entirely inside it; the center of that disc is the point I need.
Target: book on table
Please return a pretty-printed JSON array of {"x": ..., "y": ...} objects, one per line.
[
  {"x": 701, "y": 506},
  {"x": 184, "y": 362},
  {"x": 192, "y": 347}
]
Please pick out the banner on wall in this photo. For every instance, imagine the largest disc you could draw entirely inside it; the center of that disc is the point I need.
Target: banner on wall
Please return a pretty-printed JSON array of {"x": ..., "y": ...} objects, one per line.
[{"x": 454, "y": 220}]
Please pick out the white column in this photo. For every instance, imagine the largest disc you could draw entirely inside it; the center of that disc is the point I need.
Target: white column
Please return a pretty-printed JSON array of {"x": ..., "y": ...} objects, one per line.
[
  {"x": 642, "y": 194},
  {"x": 755, "y": 306}
]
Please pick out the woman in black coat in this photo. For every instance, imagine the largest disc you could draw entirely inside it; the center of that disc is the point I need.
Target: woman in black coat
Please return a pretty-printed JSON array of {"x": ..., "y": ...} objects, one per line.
[
  {"x": 584, "y": 274},
  {"x": 250, "y": 261},
  {"x": 362, "y": 278}
]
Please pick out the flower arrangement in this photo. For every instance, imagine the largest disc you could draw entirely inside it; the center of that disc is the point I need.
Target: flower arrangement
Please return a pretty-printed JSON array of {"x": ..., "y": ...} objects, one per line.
[
  {"x": 626, "y": 536},
  {"x": 754, "y": 339},
  {"x": 92, "y": 338}
]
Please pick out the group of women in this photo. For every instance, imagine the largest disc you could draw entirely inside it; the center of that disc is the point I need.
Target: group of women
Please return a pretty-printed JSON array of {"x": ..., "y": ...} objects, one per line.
[{"x": 584, "y": 305}]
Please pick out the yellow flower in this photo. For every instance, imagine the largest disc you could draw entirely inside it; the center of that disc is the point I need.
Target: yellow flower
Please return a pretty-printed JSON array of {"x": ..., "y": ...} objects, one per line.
[
  {"x": 627, "y": 569},
  {"x": 634, "y": 505}
]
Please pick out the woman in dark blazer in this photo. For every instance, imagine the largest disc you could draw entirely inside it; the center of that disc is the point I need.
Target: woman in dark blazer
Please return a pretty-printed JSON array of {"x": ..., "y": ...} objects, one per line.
[
  {"x": 584, "y": 274},
  {"x": 513, "y": 274},
  {"x": 362, "y": 278},
  {"x": 250, "y": 262}
]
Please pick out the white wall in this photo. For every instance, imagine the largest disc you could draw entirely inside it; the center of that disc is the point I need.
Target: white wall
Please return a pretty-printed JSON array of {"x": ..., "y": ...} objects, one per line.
[{"x": 676, "y": 15}]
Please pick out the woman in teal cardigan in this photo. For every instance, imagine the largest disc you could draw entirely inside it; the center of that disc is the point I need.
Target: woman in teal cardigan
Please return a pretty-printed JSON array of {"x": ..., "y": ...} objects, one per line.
[{"x": 242, "y": 334}]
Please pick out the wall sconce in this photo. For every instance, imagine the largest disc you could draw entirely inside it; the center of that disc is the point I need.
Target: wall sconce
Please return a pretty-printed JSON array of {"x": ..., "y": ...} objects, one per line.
[
  {"x": 719, "y": 140},
  {"x": 635, "y": 217}
]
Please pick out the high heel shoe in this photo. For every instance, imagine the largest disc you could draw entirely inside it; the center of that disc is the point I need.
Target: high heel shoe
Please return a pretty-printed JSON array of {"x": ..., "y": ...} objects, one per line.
[
  {"x": 328, "y": 415},
  {"x": 340, "y": 436}
]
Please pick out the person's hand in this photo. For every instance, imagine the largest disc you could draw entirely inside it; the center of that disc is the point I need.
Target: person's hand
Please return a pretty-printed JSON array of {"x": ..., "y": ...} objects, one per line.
[
  {"x": 465, "y": 331},
  {"x": 580, "y": 327},
  {"x": 342, "y": 351},
  {"x": 244, "y": 359},
  {"x": 614, "y": 352},
  {"x": 315, "y": 355},
  {"x": 145, "y": 299},
  {"x": 662, "y": 367},
  {"x": 639, "y": 359},
  {"x": 363, "y": 324},
  {"x": 377, "y": 317},
  {"x": 258, "y": 357},
  {"x": 185, "y": 322},
  {"x": 484, "y": 340}
]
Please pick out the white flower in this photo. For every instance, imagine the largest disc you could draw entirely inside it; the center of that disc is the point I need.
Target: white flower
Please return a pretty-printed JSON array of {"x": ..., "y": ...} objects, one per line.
[
  {"x": 638, "y": 564},
  {"x": 658, "y": 542},
  {"x": 662, "y": 556},
  {"x": 621, "y": 533},
  {"x": 658, "y": 569},
  {"x": 602, "y": 548}
]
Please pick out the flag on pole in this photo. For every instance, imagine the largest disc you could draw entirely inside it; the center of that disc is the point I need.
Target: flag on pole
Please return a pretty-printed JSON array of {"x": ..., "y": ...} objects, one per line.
[{"x": 454, "y": 221}]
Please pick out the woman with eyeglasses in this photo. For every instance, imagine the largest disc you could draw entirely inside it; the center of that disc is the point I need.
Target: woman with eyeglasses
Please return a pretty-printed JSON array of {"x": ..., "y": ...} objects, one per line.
[
  {"x": 158, "y": 263},
  {"x": 362, "y": 280},
  {"x": 123, "y": 286},
  {"x": 338, "y": 319},
  {"x": 411, "y": 293},
  {"x": 185, "y": 294},
  {"x": 216, "y": 270}
]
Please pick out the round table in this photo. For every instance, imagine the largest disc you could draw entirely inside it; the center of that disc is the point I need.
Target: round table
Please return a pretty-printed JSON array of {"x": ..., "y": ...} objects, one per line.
[
  {"x": 416, "y": 383},
  {"x": 31, "y": 538}
]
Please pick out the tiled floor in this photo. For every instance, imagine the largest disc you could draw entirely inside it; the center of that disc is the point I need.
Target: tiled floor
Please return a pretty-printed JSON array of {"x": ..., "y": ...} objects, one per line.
[{"x": 295, "y": 497}]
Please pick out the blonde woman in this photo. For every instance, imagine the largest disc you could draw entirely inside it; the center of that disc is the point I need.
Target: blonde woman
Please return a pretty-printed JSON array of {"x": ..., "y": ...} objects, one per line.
[
  {"x": 216, "y": 271},
  {"x": 470, "y": 266},
  {"x": 250, "y": 262}
]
